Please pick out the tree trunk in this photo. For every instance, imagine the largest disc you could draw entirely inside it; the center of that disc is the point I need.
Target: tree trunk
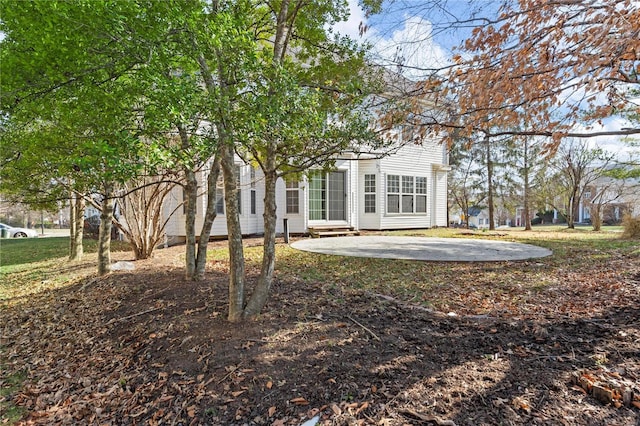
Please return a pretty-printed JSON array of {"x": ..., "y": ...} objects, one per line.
[
  {"x": 209, "y": 217},
  {"x": 104, "y": 235},
  {"x": 234, "y": 232},
  {"x": 571, "y": 213},
  {"x": 76, "y": 230},
  {"x": 190, "y": 200},
  {"x": 492, "y": 225},
  {"x": 596, "y": 216},
  {"x": 191, "y": 197},
  {"x": 261, "y": 292},
  {"x": 527, "y": 212}
]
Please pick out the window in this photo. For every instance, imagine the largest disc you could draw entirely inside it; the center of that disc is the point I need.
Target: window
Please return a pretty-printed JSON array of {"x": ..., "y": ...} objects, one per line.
[
  {"x": 369, "y": 193},
  {"x": 317, "y": 196},
  {"x": 406, "y": 194},
  {"x": 253, "y": 190},
  {"x": 238, "y": 190},
  {"x": 220, "y": 196},
  {"x": 293, "y": 196},
  {"x": 393, "y": 194},
  {"x": 220, "y": 193},
  {"x": 421, "y": 194},
  {"x": 184, "y": 201}
]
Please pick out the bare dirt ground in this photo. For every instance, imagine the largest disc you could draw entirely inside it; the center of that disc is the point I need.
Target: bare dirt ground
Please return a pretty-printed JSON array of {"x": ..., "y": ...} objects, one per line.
[{"x": 147, "y": 347}]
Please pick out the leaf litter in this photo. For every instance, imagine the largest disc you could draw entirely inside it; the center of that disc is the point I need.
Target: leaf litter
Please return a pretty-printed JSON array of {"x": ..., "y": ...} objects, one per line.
[{"x": 147, "y": 347}]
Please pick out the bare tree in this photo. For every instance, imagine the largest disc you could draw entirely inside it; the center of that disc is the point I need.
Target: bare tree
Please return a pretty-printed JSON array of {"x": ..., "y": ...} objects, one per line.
[
  {"x": 573, "y": 169},
  {"x": 141, "y": 217}
]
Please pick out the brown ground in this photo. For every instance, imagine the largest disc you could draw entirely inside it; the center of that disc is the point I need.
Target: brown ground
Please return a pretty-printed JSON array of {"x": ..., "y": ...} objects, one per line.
[{"x": 145, "y": 347}]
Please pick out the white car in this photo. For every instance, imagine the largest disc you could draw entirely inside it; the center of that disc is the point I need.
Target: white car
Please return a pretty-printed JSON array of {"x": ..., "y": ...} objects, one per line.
[{"x": 17, "y": 232}]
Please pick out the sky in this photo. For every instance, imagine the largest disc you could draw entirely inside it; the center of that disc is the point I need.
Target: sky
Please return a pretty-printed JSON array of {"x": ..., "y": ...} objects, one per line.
[{"x": 419, "y": 33}]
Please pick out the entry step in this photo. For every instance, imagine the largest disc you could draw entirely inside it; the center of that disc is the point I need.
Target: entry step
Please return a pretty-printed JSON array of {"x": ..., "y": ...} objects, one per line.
[{"x": 332, "y": 231}]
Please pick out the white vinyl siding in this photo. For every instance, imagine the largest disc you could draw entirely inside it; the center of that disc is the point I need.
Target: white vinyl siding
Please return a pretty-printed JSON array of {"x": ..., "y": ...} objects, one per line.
[{"x": 420, "y": 161}]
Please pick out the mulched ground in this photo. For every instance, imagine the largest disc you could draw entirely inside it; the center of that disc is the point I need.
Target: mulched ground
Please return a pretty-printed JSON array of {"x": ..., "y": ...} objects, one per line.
[{"x": 146, "y": 347}]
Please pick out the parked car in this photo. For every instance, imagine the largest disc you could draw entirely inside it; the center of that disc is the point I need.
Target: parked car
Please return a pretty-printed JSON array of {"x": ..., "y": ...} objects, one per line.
[
  {"x": 92, "y": 228},
  {"x": 12, "y": 232}
]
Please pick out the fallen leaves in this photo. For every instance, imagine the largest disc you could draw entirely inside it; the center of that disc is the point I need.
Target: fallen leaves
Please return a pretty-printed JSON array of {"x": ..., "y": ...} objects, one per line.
[
  {"x": 608, "y": 387},
  {"x": 299, "y": 401},
  {"x": 180, "y": 365}
]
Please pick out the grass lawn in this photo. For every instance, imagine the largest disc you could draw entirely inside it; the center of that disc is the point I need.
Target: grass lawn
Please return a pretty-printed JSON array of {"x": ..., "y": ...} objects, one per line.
[{"x": 31, "y": 265}]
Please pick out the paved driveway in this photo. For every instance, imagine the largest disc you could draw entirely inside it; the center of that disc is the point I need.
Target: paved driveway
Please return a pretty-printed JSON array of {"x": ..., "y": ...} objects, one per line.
[{"x": 423, "y": 248}]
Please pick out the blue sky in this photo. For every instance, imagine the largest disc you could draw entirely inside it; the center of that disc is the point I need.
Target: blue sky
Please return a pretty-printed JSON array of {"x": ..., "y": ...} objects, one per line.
[{"x": 421, "y": 32}]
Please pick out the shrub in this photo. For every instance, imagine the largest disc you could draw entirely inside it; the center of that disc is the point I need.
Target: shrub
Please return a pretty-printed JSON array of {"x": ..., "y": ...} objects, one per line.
[{"x": 631, "y": 226}]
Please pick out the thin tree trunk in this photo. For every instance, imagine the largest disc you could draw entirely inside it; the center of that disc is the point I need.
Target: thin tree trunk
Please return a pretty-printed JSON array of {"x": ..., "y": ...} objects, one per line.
[
  {"x": 234, "y": 232},
  {"x": 492, "y": 225},
  {"x": 104, "y": 236},
  {"x": 261, "y": 292},
  {"x": 596, "y": 216},
  {"x": 191, "y": 197},
  {"x": 72, "y": 227},
  {"x": 209, "y": 217},
  {"x": 571, "y": 212},
  {"x": 527, "y": 213},
  {"x": 76, "y": 231}
]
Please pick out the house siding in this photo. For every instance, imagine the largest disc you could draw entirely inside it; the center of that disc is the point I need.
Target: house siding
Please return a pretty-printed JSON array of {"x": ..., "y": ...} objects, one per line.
[
  {"x": 415, "y": 160},
  {"x": 427, "y": 160}
]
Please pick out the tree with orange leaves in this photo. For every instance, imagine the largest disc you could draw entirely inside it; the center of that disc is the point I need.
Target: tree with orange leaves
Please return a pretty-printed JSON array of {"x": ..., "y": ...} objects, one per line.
[{"x": 545, "y": 65}]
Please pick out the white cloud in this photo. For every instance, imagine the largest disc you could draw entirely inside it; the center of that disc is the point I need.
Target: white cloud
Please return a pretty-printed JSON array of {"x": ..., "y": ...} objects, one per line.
[
  {"x": 351, "y": 27},
  {"x": 613, "y": 144},
  {"x": 410, "y": 47}
]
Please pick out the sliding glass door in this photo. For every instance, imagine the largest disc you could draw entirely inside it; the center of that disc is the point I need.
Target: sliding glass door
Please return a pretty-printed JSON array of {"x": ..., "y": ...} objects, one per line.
[{"x": 327, "y": 196}]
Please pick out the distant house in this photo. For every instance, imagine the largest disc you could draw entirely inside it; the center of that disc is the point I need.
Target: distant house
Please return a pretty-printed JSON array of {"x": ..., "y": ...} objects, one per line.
[
  {"x": 613, "y": 197},
  {"x": 478, "y": 217}
]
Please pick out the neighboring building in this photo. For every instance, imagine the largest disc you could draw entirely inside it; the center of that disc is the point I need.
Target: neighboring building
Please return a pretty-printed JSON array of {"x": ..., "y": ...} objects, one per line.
[
  {"x": 478, "y": 217},
  {"x": 407, "y": 189},
  {"x": 613, "y": 197}
]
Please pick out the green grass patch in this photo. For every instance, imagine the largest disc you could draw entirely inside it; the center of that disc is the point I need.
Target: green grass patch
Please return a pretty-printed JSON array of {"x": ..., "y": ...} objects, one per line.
[
  {"x": 32, "y": 265},
  {"x": 20, "y": 251},
  {"x": 9, "y": 385}
]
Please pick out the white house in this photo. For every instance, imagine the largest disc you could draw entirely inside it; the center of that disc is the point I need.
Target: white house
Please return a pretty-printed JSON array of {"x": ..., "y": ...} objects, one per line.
[{"x": 407, "y": 189}]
